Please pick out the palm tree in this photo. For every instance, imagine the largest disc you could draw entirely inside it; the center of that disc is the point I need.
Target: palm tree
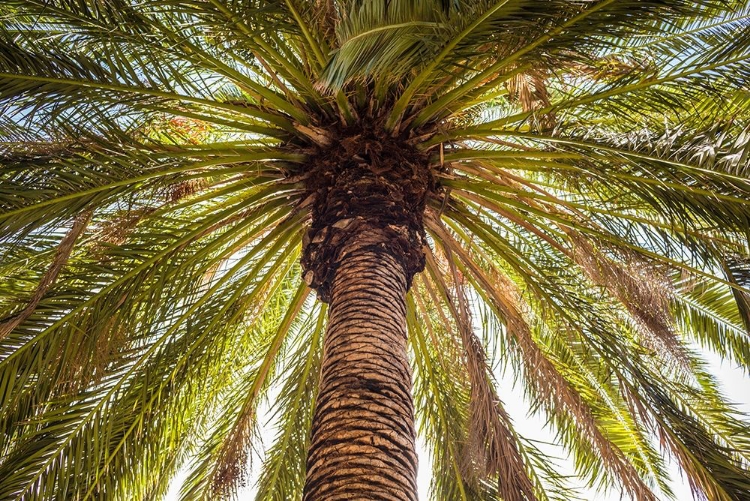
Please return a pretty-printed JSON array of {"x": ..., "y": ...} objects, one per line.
[{"x": 558, "y": 189}]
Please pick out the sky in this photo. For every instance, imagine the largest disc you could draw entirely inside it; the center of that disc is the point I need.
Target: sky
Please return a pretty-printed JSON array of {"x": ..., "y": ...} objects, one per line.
[{"x": 734, "y": 383}]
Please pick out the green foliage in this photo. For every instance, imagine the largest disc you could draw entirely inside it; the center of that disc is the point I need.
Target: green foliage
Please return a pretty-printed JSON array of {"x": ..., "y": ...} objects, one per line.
[{"x": 594, "y": 213}]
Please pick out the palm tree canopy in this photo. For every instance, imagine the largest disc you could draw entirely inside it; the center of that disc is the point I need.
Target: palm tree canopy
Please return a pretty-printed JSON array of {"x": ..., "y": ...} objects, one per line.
[{"x": 585, "y": 216}]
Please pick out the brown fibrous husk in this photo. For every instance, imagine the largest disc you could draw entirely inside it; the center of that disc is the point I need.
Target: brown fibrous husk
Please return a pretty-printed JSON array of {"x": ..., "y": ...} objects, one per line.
[{"x": 369, "y": 191}]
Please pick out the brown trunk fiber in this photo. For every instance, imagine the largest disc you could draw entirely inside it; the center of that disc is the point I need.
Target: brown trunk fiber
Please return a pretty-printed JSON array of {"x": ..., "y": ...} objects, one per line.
[{"x": 362, "y": 445}]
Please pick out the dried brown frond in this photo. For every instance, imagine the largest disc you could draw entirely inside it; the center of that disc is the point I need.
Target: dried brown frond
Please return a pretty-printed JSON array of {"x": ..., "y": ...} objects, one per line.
[
  {"x": 551, "y": 386},
  {"x": 491, "y": 441},
  {"x": 62, "y": 254},
  {"x": 529, "y": 89},
  {"x": 183, "y": 189},
  {"x": 645, "y": 295},
  {"x": 116, "y": 229},
  {"x": 700, "y": 480},
  {"x": 230, "y": 472}
]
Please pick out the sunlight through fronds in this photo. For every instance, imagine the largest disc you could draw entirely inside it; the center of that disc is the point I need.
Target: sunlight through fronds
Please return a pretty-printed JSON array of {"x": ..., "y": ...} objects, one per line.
[{"x": 585, "y": 221}]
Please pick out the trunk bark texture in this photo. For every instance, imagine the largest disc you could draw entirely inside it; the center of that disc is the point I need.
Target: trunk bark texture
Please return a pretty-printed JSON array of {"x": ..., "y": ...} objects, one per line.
[
  {"x": 362, "y": 445},
  {"x": 364, "y": 245}
]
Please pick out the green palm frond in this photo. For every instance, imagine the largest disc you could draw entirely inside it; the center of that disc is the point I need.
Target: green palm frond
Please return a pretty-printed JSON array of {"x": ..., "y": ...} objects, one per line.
[
  {"x": 283, "y": 475},
  {"x": 586, "y": 227}
]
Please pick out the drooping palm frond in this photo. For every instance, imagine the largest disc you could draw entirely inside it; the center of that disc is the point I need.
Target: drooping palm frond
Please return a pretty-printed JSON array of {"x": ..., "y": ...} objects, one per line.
[{"x": 591, "y": 206}]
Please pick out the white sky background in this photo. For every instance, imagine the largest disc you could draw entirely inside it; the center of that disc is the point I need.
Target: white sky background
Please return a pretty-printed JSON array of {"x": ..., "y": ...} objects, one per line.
[{"x": 735, "y": 384}]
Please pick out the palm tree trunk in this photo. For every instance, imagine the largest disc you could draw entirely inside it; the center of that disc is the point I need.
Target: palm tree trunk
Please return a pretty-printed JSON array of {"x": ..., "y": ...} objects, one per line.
[{"x": 362, "y": 444}]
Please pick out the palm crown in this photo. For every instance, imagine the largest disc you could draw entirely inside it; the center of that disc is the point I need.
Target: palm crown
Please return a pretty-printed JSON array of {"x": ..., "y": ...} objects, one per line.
[{"x": 572, "y": 176}]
